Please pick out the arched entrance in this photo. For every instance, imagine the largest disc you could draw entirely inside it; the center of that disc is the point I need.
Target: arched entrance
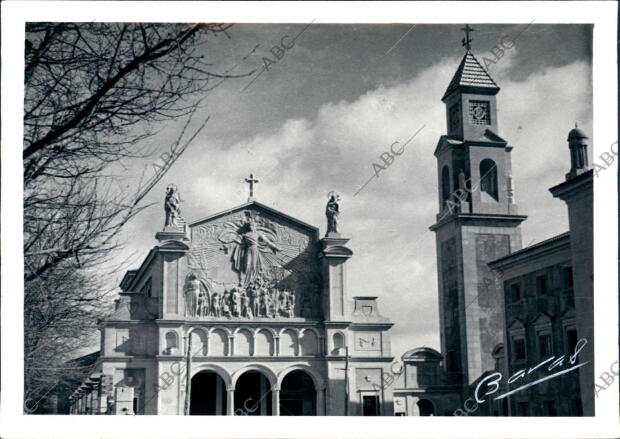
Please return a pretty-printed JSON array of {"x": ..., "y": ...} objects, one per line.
[
  {"x": 253, "y": 395},
  {"x": 297, "y": 395},
  {"x": 208, "y": 394},
  {"x": 426, "y": 408}
]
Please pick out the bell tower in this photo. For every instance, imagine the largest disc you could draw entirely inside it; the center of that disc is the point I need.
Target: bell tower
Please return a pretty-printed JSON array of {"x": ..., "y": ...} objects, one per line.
[{"x": 477, "y": 222}]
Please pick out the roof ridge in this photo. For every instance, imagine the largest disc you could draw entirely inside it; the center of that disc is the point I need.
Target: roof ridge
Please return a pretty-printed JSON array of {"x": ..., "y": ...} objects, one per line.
[
  {"x": 470, "y": 73},
  {"x": 480, "y": 65},
  {"x": 259, "y": 205}
]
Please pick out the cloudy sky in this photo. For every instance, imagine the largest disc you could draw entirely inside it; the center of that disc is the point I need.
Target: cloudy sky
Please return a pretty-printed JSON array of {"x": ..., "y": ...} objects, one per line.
[{"x": 322, "y": 115}]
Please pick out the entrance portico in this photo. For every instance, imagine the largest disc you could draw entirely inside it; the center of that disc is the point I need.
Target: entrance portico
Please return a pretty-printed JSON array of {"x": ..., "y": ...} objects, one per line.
[
  {"x": 260, "y": 302},
  {"x": 256, "y": 390}
]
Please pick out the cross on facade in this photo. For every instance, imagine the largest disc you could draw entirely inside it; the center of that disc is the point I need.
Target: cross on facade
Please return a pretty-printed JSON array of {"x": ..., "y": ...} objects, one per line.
[
  {"x": 251, "y": 180},
  {"x": 467, "y": 41}
]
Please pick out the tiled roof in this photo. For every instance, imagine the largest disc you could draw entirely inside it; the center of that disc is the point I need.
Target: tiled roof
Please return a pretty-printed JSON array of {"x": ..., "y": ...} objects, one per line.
[{"x": 470, "y": 73}]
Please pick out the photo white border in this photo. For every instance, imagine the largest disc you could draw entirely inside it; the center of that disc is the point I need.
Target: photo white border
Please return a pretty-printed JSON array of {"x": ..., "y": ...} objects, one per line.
[{"x": 14, "y": 424}]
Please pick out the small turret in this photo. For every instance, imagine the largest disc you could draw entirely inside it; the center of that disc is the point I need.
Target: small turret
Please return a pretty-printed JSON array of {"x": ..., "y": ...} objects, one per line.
[{"x": 577, "y": 142}]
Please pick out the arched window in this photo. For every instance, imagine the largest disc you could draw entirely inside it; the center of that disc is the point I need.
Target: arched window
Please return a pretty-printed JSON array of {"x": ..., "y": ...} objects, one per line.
[
  {"x": 263, "y": 344},
  {"x": 309, "y": 343},
  {"x": 445, "y": 184},
  {"x": 288, "y": 344},
  {"x": 488, "y": 178},
  {"x": 243, "y": 342},
  {"x": 171, "y": 342},
  {"x": 338, "y": 343}
]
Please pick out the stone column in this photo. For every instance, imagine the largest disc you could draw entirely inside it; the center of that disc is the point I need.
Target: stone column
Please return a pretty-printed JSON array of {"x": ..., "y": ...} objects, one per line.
[
  {"x": 320, "y": 402},
  {"x": 334, "y": 255},
  {"x": 231, "y": 345},
  {"x": 275, "y": 401},
  {"x": 218, "y": 397},
  {"x": 276, "y": 346},
  {"x": 230, "y": 402},
  {"x": 172, "y": 248}
]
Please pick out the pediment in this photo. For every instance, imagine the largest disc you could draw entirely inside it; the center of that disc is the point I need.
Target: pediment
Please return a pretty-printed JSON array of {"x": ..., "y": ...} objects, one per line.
[
  {"x": 257, "y": 207},
  {"x": 446, "y": 142},
  {"x": 516, "y": 325},
  {"x": 542, "y": 319},
  {"x": 568, "y": 314},
  {"x": 253, "y": 246}
]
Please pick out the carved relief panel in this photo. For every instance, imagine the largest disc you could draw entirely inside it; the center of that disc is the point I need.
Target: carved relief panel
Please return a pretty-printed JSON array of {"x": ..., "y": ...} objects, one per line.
[{"x": 250, "y": 264}]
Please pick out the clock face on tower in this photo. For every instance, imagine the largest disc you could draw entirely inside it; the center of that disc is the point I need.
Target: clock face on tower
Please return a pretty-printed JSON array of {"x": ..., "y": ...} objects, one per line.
[{"x": 479, "y": 113}]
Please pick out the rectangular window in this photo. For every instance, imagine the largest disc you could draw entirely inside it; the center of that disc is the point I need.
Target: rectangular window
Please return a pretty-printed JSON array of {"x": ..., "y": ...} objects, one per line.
[
  {"x": 518, "y": 349},
  {"x": 515, "y": 292},
  {"x": 370, "y": 405},
  {"x": 567, "y": 277},
  {"x": 571, "y": 339},
  {"x": 541, "y": 285},
  {"x": 544, "y": 346},
  {"x": 549, "y": 408},
  {"x": 523, "y": 409}
]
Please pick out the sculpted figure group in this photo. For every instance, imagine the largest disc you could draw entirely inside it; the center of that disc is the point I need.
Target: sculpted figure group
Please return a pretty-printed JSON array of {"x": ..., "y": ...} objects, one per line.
[
  {"x": 259, "y": 299},
  {"x": 252, "y": 248}
]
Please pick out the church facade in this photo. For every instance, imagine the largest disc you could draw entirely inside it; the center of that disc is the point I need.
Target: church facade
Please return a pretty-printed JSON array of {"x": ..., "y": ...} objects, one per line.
[{"x": 260, "y": 302}]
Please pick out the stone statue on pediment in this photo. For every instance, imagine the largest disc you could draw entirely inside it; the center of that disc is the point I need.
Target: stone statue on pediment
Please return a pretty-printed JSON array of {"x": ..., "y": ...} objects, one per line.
[
  {"x": 332, "y": 212},
  {"x": 172, "y": 206}
]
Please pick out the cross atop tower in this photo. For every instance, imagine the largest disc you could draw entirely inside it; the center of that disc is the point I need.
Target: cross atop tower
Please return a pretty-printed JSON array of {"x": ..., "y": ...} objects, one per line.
[
  {"x": 251, "y": 180},
  {"x": 467, "y": 41}
]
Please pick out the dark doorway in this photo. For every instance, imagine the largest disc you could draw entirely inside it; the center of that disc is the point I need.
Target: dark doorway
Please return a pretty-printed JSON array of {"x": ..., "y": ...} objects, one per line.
[
  {"x": 426, "y": 408},
  {"x": 297, "y": 395},
  {"x": 208, "y": 394},
  {"x": 253, "y": 395},
  {"x": 370, "y": 405}
]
